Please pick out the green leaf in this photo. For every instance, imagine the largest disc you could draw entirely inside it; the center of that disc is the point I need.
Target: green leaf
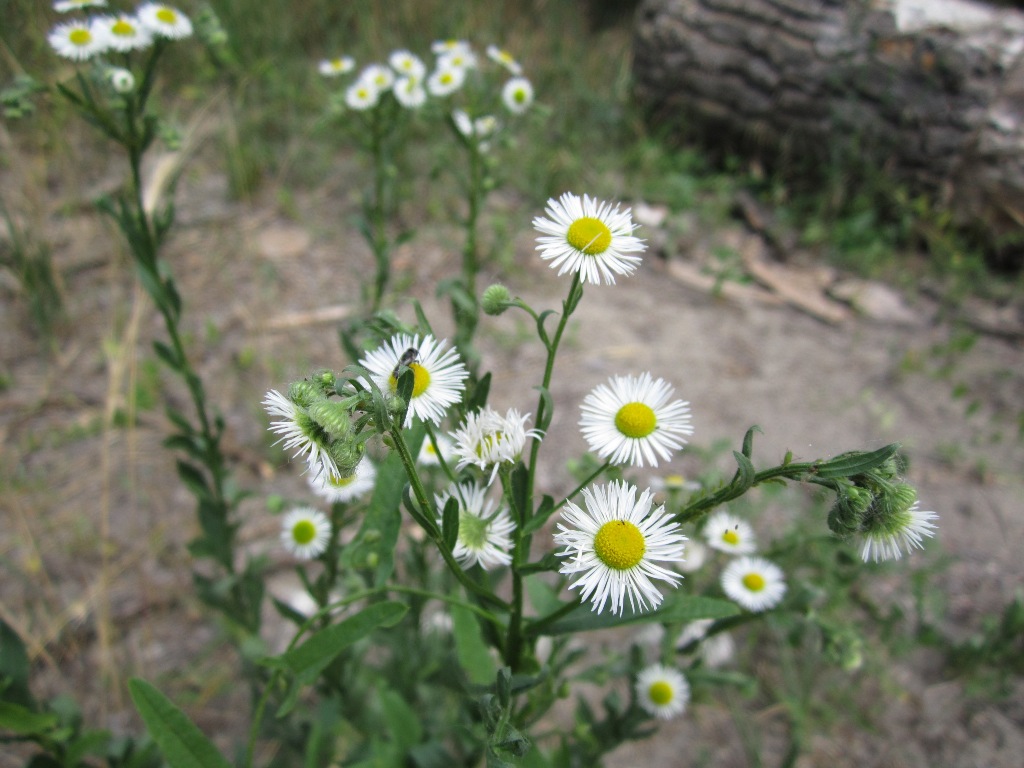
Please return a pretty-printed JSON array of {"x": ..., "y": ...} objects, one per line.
[
  {"x": 744, "y": 474},
  {"x": 477, "y": 396},
  {"x": 401, "y": 720},
  {"x": 675, "y": 609},
  {"x": 520, "y": 481},
  {"x": 850, "y": 464},
  {"x": 23, "y": 721},
  {"x": 313, "y": 656},
  {"x": 748, "y": 440},
  {"x": 168, "y": 355},
  {"x": 194, "y": 479},
  {"x": 450, "y": 523},
  {"x": 183, "y": 745},
  {"x": 470, "y": 648},
  {"x": 378, "y": 533},
  {"x": 14, "y": 668},
  {"x": 421, "y": 319}
]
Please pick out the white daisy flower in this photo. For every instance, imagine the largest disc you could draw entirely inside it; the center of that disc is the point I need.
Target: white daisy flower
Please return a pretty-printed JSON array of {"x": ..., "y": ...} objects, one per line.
[
  {"x": 407, "y": 64},
  {"x": 300, "y": 433},
  {"x": 504, "y": 58},
  {"x": 589, "y": 237},
  {"x": 428, "y": 456},
  {"x": 487, "y": 438},
  {"x": 340, "y": 489},
  {"x": 361, "y": 96},
  {"x": 485, "y": 126},
  {"x": 443, "y": 47},
  {"x": 484, "y": 534},
  {"x": 409, "y": 92},
  {"x": 121, "y": 80},
  {"x": 886, "y": 539},
  {"x": 124, "y": 33},
  {"x": 632, "y": 419},
  {"x": 662, "y": 691},
  {"x": 438, "y": 374},
  {"x": 615, "y": 544},
  {"x": 728, "y": 533},
  {"x": 164, "y": 21},
  {"x": 673, "y": 484},
  {"x": 77, "y": 40},
  {"x": 339, "y": 65},
  {"x": 377, "y": 75},
  {"x": 463, "y": 122},
  {"x": 461, "y": 60},
  {"x": 444, "y": 81},
  {"x": 305, "y": 532},
  {"x": 754, "y": 583},
  {"x": 517, "y": 95},
  {"x": 64, "y": 6}
]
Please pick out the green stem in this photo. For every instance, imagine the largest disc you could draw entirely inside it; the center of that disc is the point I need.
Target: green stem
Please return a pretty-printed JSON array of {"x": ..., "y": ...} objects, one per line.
[
  {"x": 419, "y": 492},
  {"x": 575, "y": 293},
  {"x": 535, "y": 626},
  {"x": 696, "y": 509},
  {"x": 584, "y": 484}
]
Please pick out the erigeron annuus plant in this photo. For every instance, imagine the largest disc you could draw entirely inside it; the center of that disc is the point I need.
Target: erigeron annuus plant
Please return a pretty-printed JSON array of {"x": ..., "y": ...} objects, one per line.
[
  {"x": 477, "y": 97},
  {"x": 516, "y": 574},
  {"x": 117, "y": 57}
]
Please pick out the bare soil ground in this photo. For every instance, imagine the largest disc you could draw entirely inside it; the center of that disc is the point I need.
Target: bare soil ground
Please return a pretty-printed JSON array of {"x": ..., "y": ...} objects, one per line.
[{"x": 95, "y": 574}]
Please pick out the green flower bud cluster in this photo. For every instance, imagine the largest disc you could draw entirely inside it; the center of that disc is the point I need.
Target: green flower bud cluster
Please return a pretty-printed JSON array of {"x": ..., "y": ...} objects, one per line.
[
  {"x": 871, "y": 502},
  {"x": 330, "y": 420}
]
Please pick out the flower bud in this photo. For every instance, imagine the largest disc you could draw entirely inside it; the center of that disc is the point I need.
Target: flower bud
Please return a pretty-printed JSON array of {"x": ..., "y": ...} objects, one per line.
[
  {"x": 325, "y": 380},
  {"x": 496, "y": 299},
  {"x": 332, "y": 417},
  {"x": 347, "y": 453},
  {"x": 121, "y": 80},
  {"x": 372, "y": 559},
  {"x": 394, "y": 404},
  {"x": 304, "y": 393},
  {"x": 851, "y": 507}
]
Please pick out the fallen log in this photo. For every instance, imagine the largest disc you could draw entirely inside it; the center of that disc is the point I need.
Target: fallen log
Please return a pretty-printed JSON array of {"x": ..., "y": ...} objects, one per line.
[{"x": 931, "y": 89}]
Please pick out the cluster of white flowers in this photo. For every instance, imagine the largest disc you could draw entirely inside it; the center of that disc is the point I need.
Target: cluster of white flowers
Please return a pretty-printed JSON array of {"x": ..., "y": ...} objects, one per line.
[
  {"x": 407, "y": 77},
  {"x": 85, "y": 38}
]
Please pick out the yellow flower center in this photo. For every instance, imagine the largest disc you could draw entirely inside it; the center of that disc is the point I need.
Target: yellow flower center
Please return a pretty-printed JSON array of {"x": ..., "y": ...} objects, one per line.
[
  {"x": 731, "y": 536},
  {"x": 122, "y": 28},
  {"x": 341, "y": 482},
  {"x": 303, "y": 532},
  {"x": 421, "y": 380},
  {"x": 619, "y": 544},
  {"x": 446, "y": 78},
  {"x": 589, "y": 235},
  {"x": 635, "y": 420},
  {"x": 167, "y": 15},
  {"x": 754, "y": 582},
  {"x": 661, "y": 693},
  {"x": 520, "y": 96},
  {"x": 80, "y": 37}
]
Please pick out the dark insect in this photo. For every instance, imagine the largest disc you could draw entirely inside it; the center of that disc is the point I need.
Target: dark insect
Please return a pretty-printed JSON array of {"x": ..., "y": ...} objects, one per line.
[{"x": 410, "y": 356}]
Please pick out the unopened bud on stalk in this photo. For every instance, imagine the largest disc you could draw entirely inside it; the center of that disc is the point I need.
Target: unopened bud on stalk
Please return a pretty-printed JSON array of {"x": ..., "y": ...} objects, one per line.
[
  {"x": 304, "y": 393},
  {"x": 347, "y": 453},
  {"x": 394, "y": 404},
  {"x": 372, "y": 559},
  {"x": 325, "y": 379},
  {"x": 496, "y": 299},
  {"x": 851, "y": 507},
  {"x": 333, "y": 418}
]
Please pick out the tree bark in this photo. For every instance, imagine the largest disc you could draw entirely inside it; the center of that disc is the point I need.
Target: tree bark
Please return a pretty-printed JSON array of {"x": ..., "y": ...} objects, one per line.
[{"x": 934, "y": 88}]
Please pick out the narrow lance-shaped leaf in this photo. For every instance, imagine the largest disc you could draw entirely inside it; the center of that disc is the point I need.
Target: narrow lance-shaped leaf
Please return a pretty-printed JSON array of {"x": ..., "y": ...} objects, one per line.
[{"x": 183, "y": 745}]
